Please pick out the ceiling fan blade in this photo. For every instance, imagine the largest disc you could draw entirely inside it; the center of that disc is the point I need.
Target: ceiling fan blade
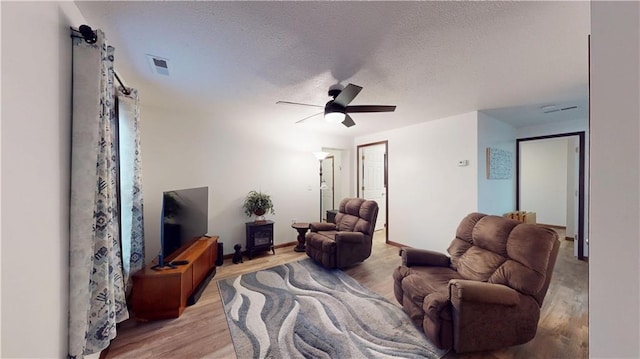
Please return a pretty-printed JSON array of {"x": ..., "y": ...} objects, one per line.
[
  {"x": 347, "y": 95},
  {"x": 308, "y": 117},
  {"x": 369, "y": 108},
  {"x": 348, "y": 121},
  {"x": 297, "y": 103}
]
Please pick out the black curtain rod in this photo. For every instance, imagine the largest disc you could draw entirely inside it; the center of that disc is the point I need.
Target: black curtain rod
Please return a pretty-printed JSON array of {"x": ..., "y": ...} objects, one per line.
[
  {"x": 125, "y": 90},
  {"x": 91, "y": 37}
]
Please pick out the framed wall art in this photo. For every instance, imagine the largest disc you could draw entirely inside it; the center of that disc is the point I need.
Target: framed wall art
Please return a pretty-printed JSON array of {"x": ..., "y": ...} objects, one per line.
[{"x": 499, "y": 163}]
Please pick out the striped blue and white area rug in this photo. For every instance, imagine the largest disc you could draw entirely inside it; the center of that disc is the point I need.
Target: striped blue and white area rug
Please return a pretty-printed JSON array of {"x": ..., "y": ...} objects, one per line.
[{"x": 302, "y": 310}]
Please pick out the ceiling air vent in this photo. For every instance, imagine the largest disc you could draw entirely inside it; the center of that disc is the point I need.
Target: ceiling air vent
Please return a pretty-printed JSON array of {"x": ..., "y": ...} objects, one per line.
[
  {"x": 158, "y": 65},
  {"x": 554, "y": 108},
  {"x": 568, "y": 108}
]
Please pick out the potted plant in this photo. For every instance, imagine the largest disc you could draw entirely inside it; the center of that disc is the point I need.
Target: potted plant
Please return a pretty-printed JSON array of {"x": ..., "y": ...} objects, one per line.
[{"x": 258, "y": 203}]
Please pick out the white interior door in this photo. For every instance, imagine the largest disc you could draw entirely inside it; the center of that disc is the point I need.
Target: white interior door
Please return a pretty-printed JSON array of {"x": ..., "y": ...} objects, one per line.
[{"x": 372, "y": 159}]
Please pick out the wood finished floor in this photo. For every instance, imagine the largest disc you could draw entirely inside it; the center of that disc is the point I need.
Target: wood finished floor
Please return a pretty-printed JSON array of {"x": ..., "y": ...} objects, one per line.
[{"x": 202, "y": 332}]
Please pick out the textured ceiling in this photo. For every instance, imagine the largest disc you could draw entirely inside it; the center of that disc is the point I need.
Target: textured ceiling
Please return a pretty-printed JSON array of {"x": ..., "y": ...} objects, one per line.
[{"x": 431, "y": 59}]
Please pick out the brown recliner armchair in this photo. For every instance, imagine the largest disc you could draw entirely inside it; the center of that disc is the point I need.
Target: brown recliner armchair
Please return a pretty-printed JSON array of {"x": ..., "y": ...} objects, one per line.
[
  {"x": 348, "y": 240},
  {"x": 488, "y": 293}
]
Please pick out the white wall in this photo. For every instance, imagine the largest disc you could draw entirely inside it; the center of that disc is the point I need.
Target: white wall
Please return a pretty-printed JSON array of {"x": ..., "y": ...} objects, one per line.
[
  {"x": 543, "y": 179},
  {"x": 183, "y": 150},
  {"x": 495, "y": 196},
  {"x": 614, "y": 265},
  {"x": 428, "y": 193},
  {"x": 36, "y": 127},
  {"x": 0, "y": 196}
]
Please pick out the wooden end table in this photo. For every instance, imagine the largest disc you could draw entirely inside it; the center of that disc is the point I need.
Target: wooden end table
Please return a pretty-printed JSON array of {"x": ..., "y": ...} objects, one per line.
[{"x": 302, "y": 228}]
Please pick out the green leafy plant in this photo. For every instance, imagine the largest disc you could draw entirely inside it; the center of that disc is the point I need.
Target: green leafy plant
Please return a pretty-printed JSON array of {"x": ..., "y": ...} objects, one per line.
[{"x": 257, "y": 203}]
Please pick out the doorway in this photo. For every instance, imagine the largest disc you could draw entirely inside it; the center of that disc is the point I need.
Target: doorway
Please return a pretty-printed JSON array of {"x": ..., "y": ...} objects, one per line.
[
  {"x": 550, "y": 174},
  {"x": 336, "y": 175},
  {"x": 327, "y": 186},
  {"x": 372, "y": 180}
]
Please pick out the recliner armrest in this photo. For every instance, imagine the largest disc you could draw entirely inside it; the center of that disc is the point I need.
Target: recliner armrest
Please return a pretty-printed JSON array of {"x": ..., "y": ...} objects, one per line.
[
  {"x": 462, "y": 290},
  {"x": 351, "y": 237},
  {"x": 322, "y": 226},
  {"x": 423, "y": 257}
]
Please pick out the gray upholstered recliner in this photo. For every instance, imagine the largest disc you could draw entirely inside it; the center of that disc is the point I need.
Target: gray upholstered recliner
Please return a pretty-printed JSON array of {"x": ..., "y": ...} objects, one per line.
[
  {"x": 487, "y": 294},
  {"x": 348, "y": 240}
]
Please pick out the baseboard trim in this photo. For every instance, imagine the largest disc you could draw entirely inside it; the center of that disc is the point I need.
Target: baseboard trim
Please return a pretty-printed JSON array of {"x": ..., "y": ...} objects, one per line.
[
  {"x": 552, "y": 226},
  {"x": 281, "y": 245},
  {"x": 395, "y": 244}
]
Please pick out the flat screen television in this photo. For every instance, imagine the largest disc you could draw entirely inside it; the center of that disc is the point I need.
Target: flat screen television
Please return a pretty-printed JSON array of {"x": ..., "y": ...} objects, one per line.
[{"x": 185, "y": 217}]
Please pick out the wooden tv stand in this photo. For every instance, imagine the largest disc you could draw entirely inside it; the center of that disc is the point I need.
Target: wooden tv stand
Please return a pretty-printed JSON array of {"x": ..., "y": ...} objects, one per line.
[{"x": 164, "y": 293}]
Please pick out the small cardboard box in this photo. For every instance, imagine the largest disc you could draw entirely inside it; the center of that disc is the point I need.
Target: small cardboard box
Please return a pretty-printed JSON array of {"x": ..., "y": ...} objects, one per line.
[{"x": 522, "y": 216}]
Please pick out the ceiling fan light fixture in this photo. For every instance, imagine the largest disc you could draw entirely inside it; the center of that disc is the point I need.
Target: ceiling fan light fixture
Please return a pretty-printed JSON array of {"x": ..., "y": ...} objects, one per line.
[
  {"x": 334, "y": 117},
  {"x": 338, "y": 110}
]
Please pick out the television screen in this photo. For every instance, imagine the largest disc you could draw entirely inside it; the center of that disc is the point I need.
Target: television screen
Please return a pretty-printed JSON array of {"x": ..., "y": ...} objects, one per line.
[{"x": 185, "y": 218}]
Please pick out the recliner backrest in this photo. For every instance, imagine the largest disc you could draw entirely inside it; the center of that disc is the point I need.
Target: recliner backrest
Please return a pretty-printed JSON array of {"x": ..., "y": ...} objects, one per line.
[
  {"x": 499, "y": 250},
  {"x": 357, "y": 215}
]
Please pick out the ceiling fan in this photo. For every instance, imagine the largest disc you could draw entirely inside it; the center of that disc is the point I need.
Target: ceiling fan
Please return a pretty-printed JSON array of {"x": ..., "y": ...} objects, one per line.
[{"x": 337, "y": 110}]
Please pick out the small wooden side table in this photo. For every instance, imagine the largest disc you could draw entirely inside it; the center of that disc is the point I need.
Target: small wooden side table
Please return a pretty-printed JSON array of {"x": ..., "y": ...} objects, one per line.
[{"x": 302, "y": 228}]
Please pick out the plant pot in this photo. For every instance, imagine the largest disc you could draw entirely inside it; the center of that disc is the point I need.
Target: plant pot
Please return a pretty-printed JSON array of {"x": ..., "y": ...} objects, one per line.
[{"x": 260, "y": 215}]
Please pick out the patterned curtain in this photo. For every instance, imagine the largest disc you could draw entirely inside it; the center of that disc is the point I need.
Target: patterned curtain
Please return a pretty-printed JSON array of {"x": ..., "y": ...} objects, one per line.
[
  {"x": 130, "y": 185},
  {"x": 96, "y": 284}
]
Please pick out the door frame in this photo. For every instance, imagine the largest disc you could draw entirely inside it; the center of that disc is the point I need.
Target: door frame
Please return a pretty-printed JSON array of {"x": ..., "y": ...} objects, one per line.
[
  {"x": 386, "y": 180},
  {"x": 581, "y": 175}
]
